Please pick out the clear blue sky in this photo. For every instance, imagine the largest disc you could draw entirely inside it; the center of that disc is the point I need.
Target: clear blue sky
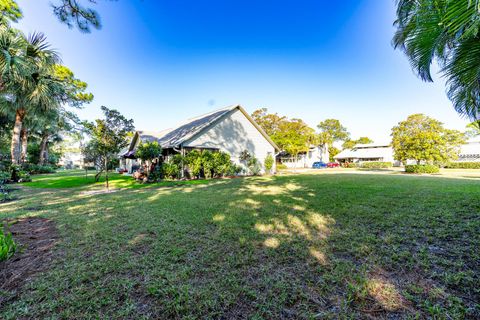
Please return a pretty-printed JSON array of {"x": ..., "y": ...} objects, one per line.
[{"x": 160, "y": 61}]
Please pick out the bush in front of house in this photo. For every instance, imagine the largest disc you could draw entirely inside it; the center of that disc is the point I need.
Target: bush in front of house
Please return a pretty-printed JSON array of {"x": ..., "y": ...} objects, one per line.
[
  {"x": 350, "y": 165},
  {"x": 463, "y": 165},
  {"x": 281, "y": 166},
  {"x": 268, "y": 163},
  {"x": 170, "y": 170},
  {"x": 422, "y": 168},
  {"x": 376, "y": 165},
  {"x": 254, "y": 166},
  {"x": 7, "y": 245}
]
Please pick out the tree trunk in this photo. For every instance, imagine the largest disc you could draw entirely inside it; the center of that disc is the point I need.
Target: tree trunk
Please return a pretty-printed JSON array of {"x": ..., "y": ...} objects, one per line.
[
  {"x": 24, "y": 143},
  {"x": 43, "y": 149},
  {"x": 15, "y": 150},
  {"x": 106, "y": 171}
]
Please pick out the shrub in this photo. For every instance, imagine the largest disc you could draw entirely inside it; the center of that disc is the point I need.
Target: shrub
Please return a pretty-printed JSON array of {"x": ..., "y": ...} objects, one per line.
[
  {"x": 37, "y": 169},
  {"x": 281, "y": 166},
  {"x": 463, "y": 165},
  {"x": 23, "y": 176},
  {"x": 208, "y": 164},
  {"x": 421, "y": 168},
  {"x": 376, "y": 165},
  {"x": 193, "y": 160},
  {"x": 254, "y": 166},
  {"x": 350, "y": 165},
  {"x": 268, "y": 163},
  {"x": 156, "y": 174},
  {"x": 4, "y": 191},
  {"x": 7, "y": 245},
  {"x": 170, "y": 170},
  {"x": 234, "y": 170},
  {"x": 221, "y": 164}
]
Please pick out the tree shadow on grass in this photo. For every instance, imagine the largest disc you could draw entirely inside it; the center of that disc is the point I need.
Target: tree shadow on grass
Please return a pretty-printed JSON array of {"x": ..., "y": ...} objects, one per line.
[{"x": 271, "y": 247}]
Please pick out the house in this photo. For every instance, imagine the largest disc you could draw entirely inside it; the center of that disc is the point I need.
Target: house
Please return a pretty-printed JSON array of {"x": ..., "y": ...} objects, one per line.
[
  {"x": 305, "y": 159},
  {"x": 230, "y": 130},
  {"x": 470, "y": 151},
  {"x": 367, "y": 152}
]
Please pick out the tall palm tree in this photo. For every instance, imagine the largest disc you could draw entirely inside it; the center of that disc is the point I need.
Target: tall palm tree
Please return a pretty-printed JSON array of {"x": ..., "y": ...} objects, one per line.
[
  {"x": 447, "y": 31},
  {"x": 27, "y": 84}
]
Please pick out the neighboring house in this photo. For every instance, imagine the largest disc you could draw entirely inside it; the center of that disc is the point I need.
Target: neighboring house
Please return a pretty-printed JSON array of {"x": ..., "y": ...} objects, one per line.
[
  {"x": 306, "y": 159},
  {"x": 470, "y": 151},
  {"x": 230, "y": 130},
  {"x": 367, "y": 152},
  {"x": 71, "y": 160}
]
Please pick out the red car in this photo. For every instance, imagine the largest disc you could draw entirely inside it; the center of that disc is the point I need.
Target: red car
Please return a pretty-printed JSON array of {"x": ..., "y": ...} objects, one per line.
[{"x": 333, "y": 165}]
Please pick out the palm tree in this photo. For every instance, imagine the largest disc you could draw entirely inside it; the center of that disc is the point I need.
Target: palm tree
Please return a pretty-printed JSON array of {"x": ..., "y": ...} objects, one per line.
[
  {"x": 27, "y": 84},
  {"x": 446, "y": 31}
]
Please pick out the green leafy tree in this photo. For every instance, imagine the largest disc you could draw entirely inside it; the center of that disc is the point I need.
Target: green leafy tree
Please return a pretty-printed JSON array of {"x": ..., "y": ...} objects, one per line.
[
  {"x": 108, "y": 137},
  {"x": 9, "y": 12},
  {"x": 349, "y": 144},
  {"x": 147, "y": 152},
  {"x": 70, "y": 12},
  {"x": 332, "y": 151},
  {"x": 294, "y": 136},
  {"x": 473, "y": 129},
  {"x": 26, "y": 83},
  {"x": 331, "y": 130},
  {"x": 269, "y": 122},
  {"x": 422, "y": 138},
  {"x": 446, "y": 31}
]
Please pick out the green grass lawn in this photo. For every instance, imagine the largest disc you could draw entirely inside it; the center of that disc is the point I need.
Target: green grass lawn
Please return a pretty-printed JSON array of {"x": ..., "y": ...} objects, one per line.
[
  {"x": 295, "y": 246},
  {"x": 80, "y": 178}
]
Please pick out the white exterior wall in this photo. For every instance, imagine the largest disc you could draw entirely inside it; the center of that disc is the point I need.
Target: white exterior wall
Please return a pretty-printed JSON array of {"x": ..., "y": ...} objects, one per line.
[
  {"x": 306, "y": 160},
  {"x": 234, "y": 134}
]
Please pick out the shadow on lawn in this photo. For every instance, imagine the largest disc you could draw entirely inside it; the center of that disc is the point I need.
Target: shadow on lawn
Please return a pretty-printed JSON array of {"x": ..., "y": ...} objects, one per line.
[{"x": 272, "y": 247}]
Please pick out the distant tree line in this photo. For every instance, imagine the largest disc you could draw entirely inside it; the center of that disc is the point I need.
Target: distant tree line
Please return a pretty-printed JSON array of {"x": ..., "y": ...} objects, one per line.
[{"x": 418, "y": 138}]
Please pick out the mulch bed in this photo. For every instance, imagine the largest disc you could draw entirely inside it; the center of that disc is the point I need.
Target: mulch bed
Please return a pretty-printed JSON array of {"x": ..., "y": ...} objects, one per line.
[{"x": 35, "y": 238}]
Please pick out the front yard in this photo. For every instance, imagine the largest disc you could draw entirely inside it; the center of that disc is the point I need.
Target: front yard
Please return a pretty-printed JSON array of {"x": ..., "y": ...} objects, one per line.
[{"x": 292, "y": 246}]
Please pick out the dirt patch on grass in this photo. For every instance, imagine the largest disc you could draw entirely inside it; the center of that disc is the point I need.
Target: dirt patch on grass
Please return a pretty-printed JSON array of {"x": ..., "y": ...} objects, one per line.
[{"x": 35, "y": 238}]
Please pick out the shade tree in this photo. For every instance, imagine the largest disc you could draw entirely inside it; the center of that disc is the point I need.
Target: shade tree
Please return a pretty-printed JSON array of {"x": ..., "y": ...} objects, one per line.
[{"x": 425, "y": 139}]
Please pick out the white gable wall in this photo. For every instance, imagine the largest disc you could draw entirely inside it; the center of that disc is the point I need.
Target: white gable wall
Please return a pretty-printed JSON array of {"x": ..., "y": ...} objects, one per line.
[{"x": 233, "y": 134}]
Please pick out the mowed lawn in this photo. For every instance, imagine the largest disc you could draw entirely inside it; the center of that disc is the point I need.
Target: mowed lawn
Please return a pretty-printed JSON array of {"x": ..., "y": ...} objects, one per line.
[{"x": 293, "y": 247}]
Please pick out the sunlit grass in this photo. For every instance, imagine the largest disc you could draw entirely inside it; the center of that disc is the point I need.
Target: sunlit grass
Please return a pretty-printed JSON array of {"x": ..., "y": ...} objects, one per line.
[
  {"x": 80, "y": 178},
  {"x": 295, "y": 246}
]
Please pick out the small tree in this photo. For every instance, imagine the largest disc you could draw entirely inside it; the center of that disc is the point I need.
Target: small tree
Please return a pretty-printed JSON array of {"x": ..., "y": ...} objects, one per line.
[
  {"x": 148, "y": 151},
  {"x": 268, "y": 163},
  {"x": 108, "y": 137},
  {"x": 422, "y": 138}
]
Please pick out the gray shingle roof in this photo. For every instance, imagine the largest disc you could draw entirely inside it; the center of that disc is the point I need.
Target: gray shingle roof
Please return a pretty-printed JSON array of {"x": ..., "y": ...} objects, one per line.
[{"x": 174, "y": 137}]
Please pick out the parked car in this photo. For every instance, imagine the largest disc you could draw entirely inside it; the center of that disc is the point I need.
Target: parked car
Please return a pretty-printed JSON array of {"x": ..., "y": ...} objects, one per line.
[
  {"x": 319, "y": 165},
  {"x": 333, "y": 165}
]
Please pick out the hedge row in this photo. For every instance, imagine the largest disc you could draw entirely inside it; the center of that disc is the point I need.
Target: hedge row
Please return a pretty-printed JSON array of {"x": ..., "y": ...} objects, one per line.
[
  {"x": 421, "y": 168},
  {"x": 376, "y": 165},
  {"x": 463, "y": 165}
]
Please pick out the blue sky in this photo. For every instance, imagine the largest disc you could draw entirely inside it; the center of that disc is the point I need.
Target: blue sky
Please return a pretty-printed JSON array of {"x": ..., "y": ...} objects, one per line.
[{"x": 160, "y": 62}]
